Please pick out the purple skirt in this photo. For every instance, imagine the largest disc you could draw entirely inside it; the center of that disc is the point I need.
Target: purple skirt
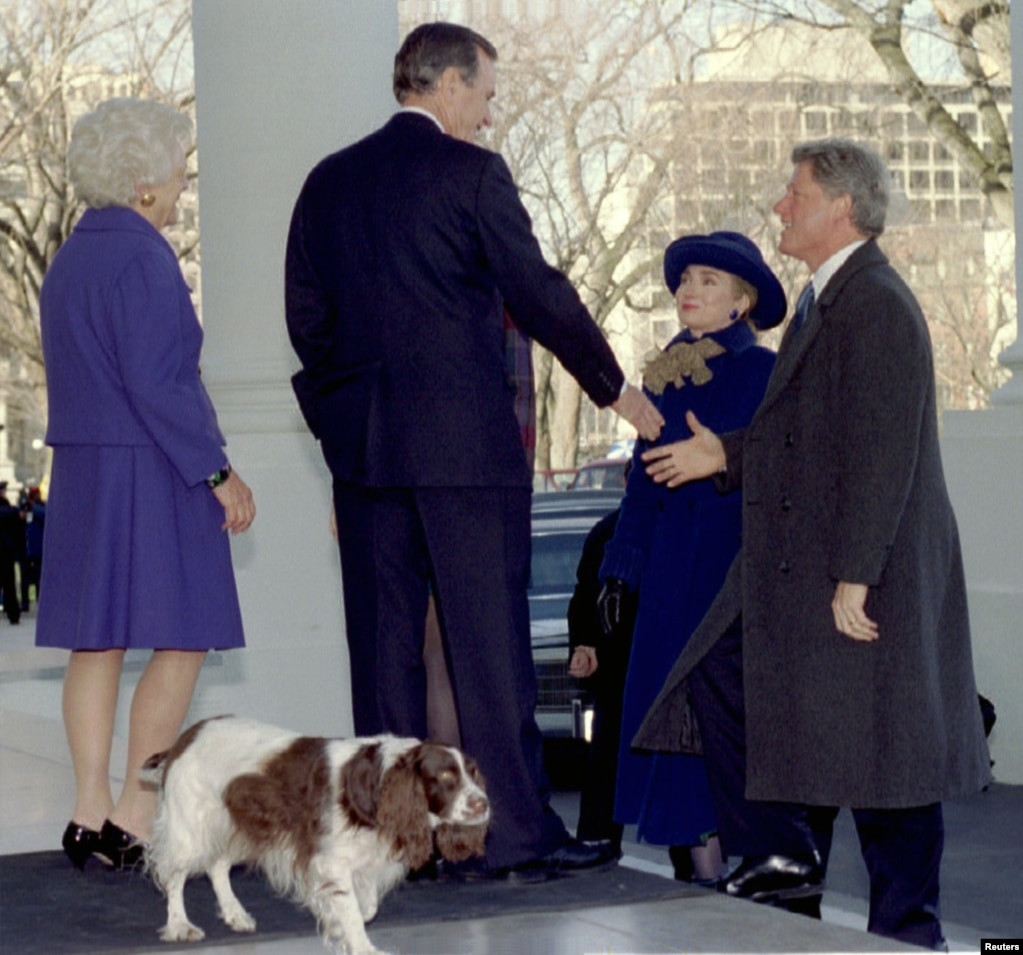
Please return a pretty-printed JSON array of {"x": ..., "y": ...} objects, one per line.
[{"x": 132, "y": 557}]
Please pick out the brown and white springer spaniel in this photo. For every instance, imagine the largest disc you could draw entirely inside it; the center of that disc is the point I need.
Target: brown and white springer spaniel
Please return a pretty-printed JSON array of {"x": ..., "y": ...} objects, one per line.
[{"x": 334, "y": 823}]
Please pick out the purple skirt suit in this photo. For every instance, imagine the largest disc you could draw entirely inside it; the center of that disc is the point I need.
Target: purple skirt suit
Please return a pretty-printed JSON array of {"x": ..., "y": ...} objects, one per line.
[{"x": 135, "y": 556}]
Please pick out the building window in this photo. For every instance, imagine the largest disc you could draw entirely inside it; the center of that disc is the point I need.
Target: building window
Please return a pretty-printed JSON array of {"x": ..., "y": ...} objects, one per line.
[
  {"x": 816, "y": 121},
  {"x": 920, "y": 151}
]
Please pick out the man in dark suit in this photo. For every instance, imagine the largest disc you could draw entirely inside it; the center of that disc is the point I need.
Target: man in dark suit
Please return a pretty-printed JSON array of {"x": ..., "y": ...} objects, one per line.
[
  {"x": 403, "y": 252},
  {"x": 835, "y": 668}
]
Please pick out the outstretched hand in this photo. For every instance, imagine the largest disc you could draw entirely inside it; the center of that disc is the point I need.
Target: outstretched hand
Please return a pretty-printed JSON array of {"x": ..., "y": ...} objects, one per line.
[
  {"x": 697, "y": 457},
  {"x": 636, "y": 408}
]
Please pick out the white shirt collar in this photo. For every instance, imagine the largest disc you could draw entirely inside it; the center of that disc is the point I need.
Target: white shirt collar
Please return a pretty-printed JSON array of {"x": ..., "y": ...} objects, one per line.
[
  {"x": 423, "y": 112},
  {"x": 824, "y": 274}
]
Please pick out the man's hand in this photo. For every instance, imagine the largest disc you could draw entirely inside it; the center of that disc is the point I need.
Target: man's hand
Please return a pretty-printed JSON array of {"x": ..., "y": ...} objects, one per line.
[
  {"x": 639, "y": 411},
  {"x": 583, "y": 662},
  {"x": 848, "y": 607},
  {"x": 697, "y": 457},
  {"x": 236, "y": 499}
]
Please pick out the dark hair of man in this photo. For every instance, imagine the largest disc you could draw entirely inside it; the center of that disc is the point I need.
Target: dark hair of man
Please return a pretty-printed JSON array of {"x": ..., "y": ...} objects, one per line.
[
  {"x": 430, "y": 49},
  {"x": 842, "y": 167}
]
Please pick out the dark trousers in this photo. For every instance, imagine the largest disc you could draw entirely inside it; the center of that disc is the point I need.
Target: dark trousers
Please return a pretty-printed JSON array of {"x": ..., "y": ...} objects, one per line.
[
  {"x": 471, "y": 546},
  {"x": 597, "y": 794},
  {"x": 353, "y": 513},
  {"x": 9, "y": 590},
  {"x": 901, "y": 847},
  {"x": 31, "y": 570}
]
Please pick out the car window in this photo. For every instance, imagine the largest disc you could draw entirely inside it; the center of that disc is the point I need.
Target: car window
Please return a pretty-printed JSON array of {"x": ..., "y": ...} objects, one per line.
[{"x": 555, "y": 558}]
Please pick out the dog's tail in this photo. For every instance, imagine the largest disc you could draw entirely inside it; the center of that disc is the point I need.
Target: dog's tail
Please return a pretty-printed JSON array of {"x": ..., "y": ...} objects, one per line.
[{"x": 153, "y": 769}]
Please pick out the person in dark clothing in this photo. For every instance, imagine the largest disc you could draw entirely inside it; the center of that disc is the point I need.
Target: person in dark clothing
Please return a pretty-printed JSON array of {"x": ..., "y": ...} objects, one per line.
[
  {"x": 600, "y": 662},
  {"x": 835, "y": 667},
  {"x": 11, "y": 532},
  {"x": 403, "y": 253},
  {"x": 34, "y": 515}
]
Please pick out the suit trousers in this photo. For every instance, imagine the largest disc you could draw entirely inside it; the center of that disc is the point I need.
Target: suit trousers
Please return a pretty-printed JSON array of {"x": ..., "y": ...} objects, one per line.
[
  {"x": 471, "y": 546},
  {"x": 353, "y": 514},
  {"x": 901, "y": 848}
]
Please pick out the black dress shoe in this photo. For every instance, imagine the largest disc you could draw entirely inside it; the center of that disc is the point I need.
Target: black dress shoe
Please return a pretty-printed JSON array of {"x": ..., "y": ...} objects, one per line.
[
  {"x": 79, "y": 843},
  {"x": 574, "y": 857},
  {"x": 571, "y": 858},
  {"x": 121, "y": 849},
  {"x": 774, "y": 878}
]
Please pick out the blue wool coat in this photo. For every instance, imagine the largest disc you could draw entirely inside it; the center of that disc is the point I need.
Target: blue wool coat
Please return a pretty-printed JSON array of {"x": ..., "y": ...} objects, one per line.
[{"x": 675, "y": 546}]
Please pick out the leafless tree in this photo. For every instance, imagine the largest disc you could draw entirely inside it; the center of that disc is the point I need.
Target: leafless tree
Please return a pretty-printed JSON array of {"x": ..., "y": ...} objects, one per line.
[
  {"x": 620, "y": 139},
  {"x": 925, "y": 49}
]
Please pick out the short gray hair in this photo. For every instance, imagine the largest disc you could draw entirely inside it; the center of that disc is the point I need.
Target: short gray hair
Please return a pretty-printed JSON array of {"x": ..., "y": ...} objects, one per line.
[
  {"x": 842, "y": 167},
  {"x": 430, "y": 49},
  {"x": 121, "y": 144}
]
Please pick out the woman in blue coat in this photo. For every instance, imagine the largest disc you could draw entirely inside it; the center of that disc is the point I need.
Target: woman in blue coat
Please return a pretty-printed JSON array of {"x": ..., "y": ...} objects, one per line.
[
  {"x": 141, "y": 491},
  {"x": 674, "y": 546}
]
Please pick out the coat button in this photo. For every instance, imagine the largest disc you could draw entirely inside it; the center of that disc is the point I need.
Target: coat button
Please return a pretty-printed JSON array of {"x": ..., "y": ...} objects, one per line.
[
  {"x": 789, "y": 440},
  {"x": 785, "y": 567},
  {"x": 786, "y": 504}
]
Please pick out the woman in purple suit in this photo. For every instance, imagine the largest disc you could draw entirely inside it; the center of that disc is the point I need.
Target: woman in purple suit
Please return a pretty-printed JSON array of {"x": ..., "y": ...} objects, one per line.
[{"x": 141, "y": 490}]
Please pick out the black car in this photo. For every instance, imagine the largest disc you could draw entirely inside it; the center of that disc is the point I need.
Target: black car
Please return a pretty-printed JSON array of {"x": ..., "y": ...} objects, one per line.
[{"x": 560, "y": 525}]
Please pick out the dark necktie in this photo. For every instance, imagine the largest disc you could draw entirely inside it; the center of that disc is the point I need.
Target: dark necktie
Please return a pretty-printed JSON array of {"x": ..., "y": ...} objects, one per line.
[{"x": 803, "y": 307}]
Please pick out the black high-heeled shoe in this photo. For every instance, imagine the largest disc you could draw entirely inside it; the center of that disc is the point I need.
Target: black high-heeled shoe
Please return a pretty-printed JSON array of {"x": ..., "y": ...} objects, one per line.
[
  {"x": 121, "y": 849},
  {"x": 79, "y": 843}
]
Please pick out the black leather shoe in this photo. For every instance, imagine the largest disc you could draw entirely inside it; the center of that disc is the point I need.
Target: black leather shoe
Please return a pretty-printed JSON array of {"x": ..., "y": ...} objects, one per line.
[
  {"x": 121, "y": 849},
  {"x": 773, "y": 878},
  {"x": 571, "y": 858},
  {"x": 574, "y": 857},
  {"x": 79, "y": 843}
]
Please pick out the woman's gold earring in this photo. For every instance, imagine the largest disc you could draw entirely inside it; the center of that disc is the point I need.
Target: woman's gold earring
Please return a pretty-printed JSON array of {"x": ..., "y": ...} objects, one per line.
[{"x": 147, "y": 200}]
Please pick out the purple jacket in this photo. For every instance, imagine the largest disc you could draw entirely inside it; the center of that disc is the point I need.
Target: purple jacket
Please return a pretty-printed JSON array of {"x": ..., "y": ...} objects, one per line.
[{"x": 121, "y": 343}]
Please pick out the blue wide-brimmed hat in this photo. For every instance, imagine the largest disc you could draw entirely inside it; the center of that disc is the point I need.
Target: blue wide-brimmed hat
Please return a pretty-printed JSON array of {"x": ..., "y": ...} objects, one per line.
[{"x": 730, "y": 252}]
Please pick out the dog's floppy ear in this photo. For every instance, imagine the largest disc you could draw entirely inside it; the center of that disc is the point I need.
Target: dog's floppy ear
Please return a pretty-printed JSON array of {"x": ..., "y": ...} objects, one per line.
[
  {"x": 456, "y": 842},
  {"x": 360, "y": 785},
  {"x": 403, "y": 815}
]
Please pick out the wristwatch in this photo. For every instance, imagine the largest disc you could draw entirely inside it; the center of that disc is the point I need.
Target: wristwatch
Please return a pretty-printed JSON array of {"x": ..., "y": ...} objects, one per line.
[{"x": 219, "y": 477}]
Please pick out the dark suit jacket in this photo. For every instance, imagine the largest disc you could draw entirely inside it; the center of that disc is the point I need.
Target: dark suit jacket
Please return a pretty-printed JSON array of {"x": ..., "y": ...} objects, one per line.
[
  {"x": 842, "y": 479},
  {"x": 401, "y": 250}
]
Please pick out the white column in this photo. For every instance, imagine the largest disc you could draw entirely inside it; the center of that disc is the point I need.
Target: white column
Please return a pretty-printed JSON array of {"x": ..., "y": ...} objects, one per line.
[
  {"x": 983, "y": 452},
  {"x": 279, "y": 85}
]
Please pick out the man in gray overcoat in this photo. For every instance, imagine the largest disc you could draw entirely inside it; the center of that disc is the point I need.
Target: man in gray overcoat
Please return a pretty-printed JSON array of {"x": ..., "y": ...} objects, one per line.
[{"x": 835, "y": 667}]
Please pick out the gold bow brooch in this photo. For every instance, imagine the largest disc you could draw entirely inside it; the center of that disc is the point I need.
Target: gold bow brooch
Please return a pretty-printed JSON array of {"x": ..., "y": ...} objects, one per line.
[{"x": 682, "y": 360}]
